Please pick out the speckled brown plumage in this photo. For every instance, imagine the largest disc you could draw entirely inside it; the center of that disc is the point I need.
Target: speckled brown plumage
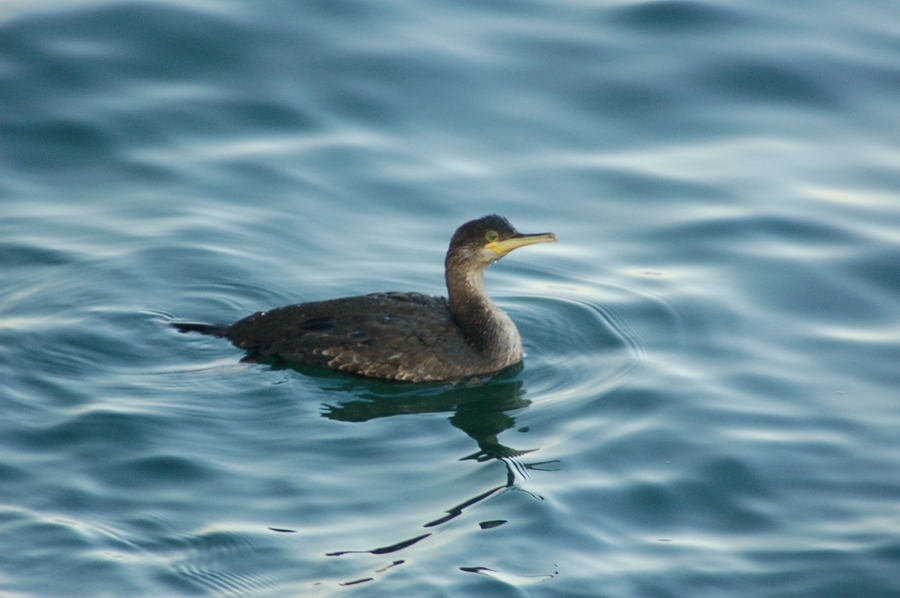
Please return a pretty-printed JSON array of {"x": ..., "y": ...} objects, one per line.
[
  {"x": 395, "y": 336},
  {"x": 400, "y": 336}
]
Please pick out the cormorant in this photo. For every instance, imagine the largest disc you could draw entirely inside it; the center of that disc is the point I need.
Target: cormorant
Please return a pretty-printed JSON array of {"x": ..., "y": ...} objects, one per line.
[{"x": 400, "y": 336}]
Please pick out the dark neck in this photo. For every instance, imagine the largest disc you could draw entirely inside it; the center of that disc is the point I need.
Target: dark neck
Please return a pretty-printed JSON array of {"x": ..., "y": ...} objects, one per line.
[{"x": 485, "y": 326}]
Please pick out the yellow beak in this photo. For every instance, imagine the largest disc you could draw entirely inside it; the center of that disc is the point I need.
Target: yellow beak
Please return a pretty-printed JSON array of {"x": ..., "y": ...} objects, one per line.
[{"x": 507, "y": 245}]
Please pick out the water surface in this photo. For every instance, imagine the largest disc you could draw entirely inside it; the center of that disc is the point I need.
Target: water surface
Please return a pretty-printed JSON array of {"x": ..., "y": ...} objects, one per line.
[{"x": 709, "y": 402}]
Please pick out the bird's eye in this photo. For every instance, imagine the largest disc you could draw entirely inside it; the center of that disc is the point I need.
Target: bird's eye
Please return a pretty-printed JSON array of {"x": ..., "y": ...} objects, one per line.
[{"x": 491, "y": 236}]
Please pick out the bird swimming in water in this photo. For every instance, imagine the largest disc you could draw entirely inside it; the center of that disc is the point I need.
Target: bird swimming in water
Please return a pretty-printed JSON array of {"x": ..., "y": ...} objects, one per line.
[{"x": 400, "y": 336}]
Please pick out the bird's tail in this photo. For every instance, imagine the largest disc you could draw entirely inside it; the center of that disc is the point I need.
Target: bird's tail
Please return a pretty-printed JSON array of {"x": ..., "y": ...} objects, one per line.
[{"x": 202, "y": 328}]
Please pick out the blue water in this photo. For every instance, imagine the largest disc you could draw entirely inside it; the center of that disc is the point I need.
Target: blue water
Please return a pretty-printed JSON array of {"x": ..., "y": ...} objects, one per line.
[{"x": 710, "y": 402}]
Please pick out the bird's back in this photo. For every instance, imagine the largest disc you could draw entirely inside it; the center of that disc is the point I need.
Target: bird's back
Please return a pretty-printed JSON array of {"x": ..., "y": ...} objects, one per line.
[{"x": 396, "y": 336}]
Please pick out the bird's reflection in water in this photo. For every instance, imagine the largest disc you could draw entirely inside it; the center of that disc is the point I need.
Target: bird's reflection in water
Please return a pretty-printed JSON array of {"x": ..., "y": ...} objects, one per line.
[{"x": 481, "y": 408}]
